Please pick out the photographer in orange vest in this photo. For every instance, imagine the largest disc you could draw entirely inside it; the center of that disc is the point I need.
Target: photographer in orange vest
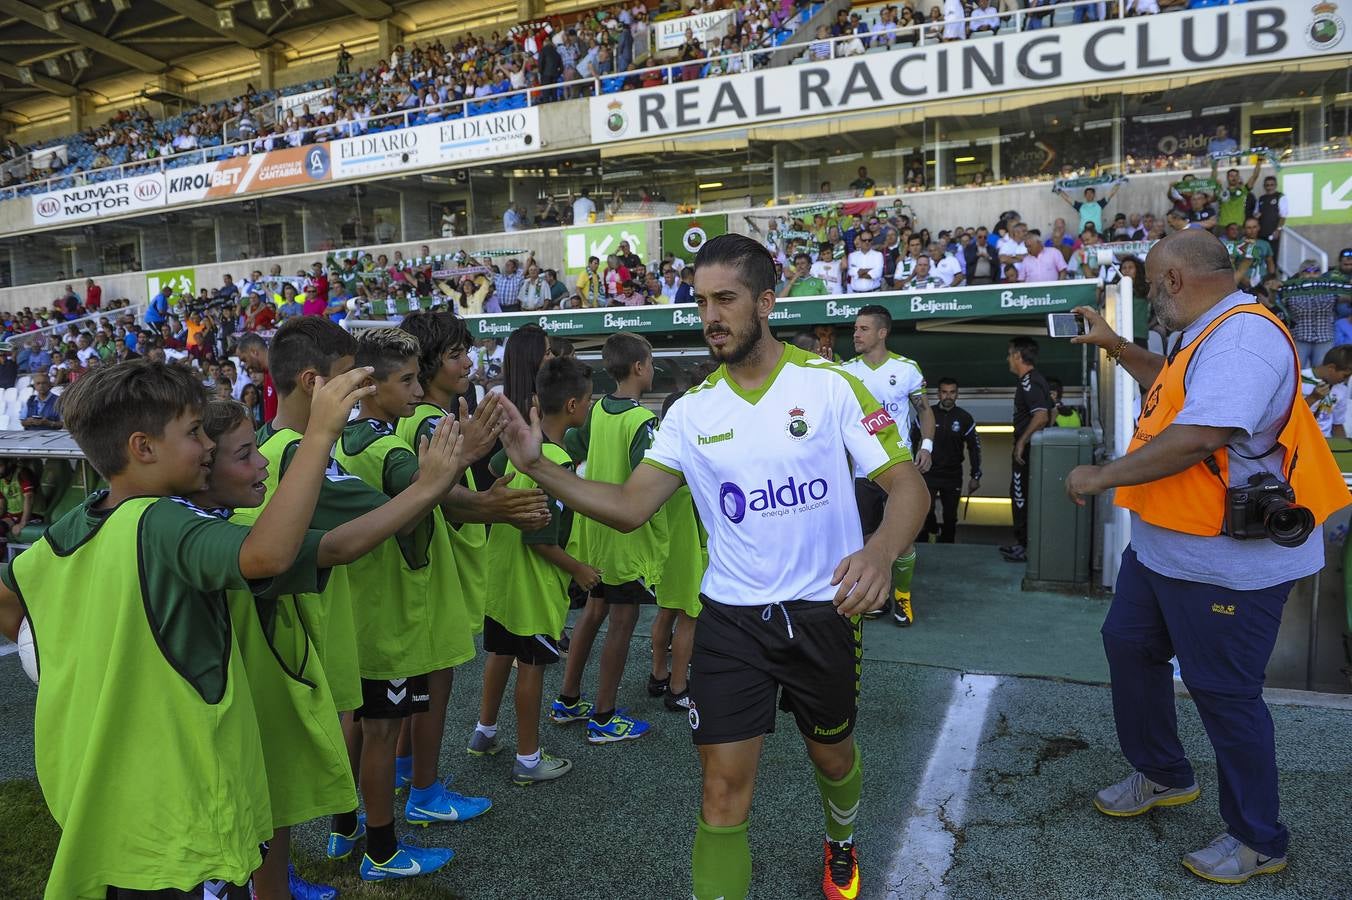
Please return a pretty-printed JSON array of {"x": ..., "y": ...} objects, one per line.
[{"x": 1227, "y": 480}]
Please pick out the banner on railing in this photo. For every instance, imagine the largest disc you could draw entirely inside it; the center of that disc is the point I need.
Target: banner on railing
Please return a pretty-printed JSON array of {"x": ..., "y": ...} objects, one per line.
[
  {"x": 296, "y": 101},
  {"x": 668, "y": 34},
  {"x": 955, "y": 303},
  {"x": 104, "y": 198},
  {"x": 1183, "y": 41},
  {"x": 288, "y": 167},
  {"x": 444, "y": 143}
]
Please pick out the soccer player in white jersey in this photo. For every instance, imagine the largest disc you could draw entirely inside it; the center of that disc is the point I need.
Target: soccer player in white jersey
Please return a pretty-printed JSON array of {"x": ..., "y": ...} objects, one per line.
[
  {"x": 765, "y": 444},
  {"x": 897, "y": 383}
]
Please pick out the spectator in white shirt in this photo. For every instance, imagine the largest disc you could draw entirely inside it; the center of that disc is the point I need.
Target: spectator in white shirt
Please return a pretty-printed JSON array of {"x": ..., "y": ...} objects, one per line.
[
  {"x": 852, "y": 47},
  {"x": 906, "y": 265},
  {"x": 944, "y": 267},
  {"x": 583, "y": 208},
  {"x": 1011, "y": 247},
  {"x": 984, "y": 19},
  {"x": 865, "y": 265},
  {"x": 954, "y": 27},
  {"x": 828, "y": 269}
]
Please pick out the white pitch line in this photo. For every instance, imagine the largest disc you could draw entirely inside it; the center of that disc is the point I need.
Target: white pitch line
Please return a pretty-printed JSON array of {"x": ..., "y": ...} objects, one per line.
[{"x": 926, "y": 851}]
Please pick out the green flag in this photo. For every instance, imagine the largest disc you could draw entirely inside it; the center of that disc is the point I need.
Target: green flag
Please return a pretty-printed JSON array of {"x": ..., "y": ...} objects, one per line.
[{"x": 685, "y": 235}]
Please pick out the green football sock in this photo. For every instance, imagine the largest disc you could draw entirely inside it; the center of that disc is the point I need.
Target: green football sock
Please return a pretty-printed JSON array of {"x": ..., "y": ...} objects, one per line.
[
  {"x": 840, "y": 801},
  {"x": 721, "y": 864},
  {"x": 903, "y": 567}
]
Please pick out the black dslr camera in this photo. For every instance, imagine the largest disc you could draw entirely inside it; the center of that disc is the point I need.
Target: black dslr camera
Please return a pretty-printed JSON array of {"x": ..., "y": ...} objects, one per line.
[{"x": 1266, "y": 508}]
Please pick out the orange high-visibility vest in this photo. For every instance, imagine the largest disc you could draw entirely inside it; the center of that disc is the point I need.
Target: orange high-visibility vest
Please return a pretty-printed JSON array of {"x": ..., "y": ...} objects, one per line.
[{"x": 1193, "y": 501}]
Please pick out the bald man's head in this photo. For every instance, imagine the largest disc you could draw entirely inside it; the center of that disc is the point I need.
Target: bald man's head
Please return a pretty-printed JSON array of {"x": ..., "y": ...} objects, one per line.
[{"x": 1189, "y": 272}]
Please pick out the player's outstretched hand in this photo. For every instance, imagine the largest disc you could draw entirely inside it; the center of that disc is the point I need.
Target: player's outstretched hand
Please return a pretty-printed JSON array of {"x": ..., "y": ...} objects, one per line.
[
  {"x": 522, "y": 439},
  {"x": 481, "y": 430},
  {"x": 923, "y": 461},
  {"x": 335, "y": 398},
  {"x": 441, "y": 457},
  {"x": 865, "y": 583},
  {"x": 527, "y": 510}
]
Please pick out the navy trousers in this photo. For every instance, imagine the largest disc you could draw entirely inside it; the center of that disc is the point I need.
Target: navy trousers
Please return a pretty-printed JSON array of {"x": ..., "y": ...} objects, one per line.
[{"x": 1223, "y": 639}]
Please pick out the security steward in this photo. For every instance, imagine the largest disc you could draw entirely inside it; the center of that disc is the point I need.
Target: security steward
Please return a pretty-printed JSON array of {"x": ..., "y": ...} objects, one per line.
[
  {"x": 1227, "y": 478},
  {"x": 954, "y": 430}
]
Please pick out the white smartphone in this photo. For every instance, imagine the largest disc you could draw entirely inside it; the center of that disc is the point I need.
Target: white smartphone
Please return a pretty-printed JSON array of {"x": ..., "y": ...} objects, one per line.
[{"x": 1064, "y": 325}]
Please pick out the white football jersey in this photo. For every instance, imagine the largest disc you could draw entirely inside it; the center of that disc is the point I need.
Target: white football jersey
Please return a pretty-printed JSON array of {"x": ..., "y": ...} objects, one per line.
[
  {"x": 893, "y": 383},
  {"x": 770, "y": 472}
]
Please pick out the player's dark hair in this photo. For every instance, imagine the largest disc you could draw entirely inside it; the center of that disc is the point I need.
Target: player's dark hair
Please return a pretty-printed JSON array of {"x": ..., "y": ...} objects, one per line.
[
  {"x": 521, "y": 361},
  {"x": 880, "y": 313},
  {"x": 222, "y": 416},
  {"x": 307, "y": 342},
  {"x": 948, "y": 379},
  {"x": 672, "y": 398},
  {"x": 108, "y": 405},
  {"x": 561, "y": 379},
  {"x": 385, "y": 349},
  {"x": 1340, "y": 357},
  {"x": 1026, "y": 347},
  {"x": 752, "y": 261},
  {"x": 437, "y": 333},
  {"x": 622, "y": 351}
]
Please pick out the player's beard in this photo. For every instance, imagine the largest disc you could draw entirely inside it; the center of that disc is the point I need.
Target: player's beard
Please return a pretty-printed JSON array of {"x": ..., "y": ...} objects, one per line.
[{"x": 745, "y": 341}]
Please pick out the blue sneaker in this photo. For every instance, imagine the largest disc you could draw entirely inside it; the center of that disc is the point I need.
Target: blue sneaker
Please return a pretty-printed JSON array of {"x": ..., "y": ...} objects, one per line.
[
  {"x": 341, "y": 845},
  {"x": 403, "y": 771},
  {"x": 407, "y": 862},
  {"x": 304, "y": 890},
  {"x": 561, "y": 713},
  {"x": 618, "y": 728},
  {"x": 437, "y": 804}
]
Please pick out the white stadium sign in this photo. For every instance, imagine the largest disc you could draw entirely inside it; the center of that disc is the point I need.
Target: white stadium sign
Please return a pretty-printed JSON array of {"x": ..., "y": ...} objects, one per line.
[{"x": 1071, "y": 55}]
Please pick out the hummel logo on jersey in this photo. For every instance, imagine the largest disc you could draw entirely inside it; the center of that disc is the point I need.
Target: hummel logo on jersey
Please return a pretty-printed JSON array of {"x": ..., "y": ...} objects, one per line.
[
  {"x": 877, "y": 421},
  {"x": 396, "y": 692},
  {"x": 719, "y": 438}
]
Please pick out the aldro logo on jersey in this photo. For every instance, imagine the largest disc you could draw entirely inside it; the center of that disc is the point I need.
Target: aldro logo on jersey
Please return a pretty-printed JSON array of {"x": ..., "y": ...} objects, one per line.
[{"x": 786, "y": 499}]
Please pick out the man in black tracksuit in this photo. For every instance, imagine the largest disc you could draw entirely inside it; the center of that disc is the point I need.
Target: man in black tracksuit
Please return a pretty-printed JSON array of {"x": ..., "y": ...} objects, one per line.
[{"x": 954, "y": 429}]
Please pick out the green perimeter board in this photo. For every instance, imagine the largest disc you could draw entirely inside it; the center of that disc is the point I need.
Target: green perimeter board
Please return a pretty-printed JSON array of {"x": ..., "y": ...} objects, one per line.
[{"x": 954, "y": 303}]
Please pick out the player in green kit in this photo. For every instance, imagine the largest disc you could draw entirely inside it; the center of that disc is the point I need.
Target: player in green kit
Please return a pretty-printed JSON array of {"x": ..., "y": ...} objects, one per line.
[
  {"x": 444, "y": 365},
  {"x": 608, "y": 446},
  {"x": 308, "y": 772},
  {"x": 531, "y": 572},
  {"x": 414, "y": 629},
  {"x": 677, "y": 596},
  {"x": 766, "y": 445},
  {"x": 156, "y": 774}
]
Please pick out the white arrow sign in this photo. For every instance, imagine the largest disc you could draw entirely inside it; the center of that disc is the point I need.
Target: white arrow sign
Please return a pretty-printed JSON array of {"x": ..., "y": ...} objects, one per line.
[{"x": 1339, "y": 200}]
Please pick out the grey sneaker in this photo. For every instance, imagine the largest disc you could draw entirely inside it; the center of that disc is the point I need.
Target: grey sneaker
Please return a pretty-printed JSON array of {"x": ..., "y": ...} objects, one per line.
[
  {"x": 549, "y": 768},
  {"x": 1137, "y": 794},
  {"x": 1227, "y": 861},
  {"x": 481, "y": 744}
]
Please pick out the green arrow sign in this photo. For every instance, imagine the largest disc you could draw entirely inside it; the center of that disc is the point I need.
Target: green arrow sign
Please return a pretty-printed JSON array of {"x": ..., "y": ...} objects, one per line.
[{"x": 1318, "y": 194}]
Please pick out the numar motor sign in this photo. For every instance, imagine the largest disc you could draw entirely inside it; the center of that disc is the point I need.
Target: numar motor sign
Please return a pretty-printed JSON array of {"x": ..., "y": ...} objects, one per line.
[
  {"x": 955, "y": 303},
  {"x": 1090, "y": 53},
  {"x": 101, "y": 199}
]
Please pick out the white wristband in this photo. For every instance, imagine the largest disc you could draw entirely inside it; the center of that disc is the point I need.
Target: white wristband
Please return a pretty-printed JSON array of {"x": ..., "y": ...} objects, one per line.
[{"x": 927, "y": 445}]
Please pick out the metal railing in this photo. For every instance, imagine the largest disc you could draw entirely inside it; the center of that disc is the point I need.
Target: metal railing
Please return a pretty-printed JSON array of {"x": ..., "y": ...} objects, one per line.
[
  {"x": 593, "y": 86},
  {"x": 1293, "y": 249},
  {"x": 135, "y": 309}
]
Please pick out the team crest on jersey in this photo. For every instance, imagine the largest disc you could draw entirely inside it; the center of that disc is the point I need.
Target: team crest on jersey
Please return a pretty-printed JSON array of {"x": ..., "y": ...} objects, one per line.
[
  {"x": 892, "y": 381},
  {"x": 798, "y": 427}
]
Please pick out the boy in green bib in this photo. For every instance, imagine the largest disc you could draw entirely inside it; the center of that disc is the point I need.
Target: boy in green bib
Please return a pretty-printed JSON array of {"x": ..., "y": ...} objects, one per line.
[
  {"x": 444, "y": 365},
  {"x": 414, "y": 628},
  {"x": 678, "y": 602},
  {"x": 164, "y": 708},
  {"x": 303, "y": 751},
  {"x": 526, "y": 612},
  {"x": 608, "y": 446}
]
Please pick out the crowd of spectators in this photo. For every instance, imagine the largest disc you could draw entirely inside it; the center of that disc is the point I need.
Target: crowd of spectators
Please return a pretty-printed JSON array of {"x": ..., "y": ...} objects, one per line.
[{"x": 438, "y": 79}]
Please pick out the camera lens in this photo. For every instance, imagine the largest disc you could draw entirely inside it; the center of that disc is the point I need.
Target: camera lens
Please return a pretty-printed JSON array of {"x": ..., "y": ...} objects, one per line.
[{"x": 1287, "y": 524}]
